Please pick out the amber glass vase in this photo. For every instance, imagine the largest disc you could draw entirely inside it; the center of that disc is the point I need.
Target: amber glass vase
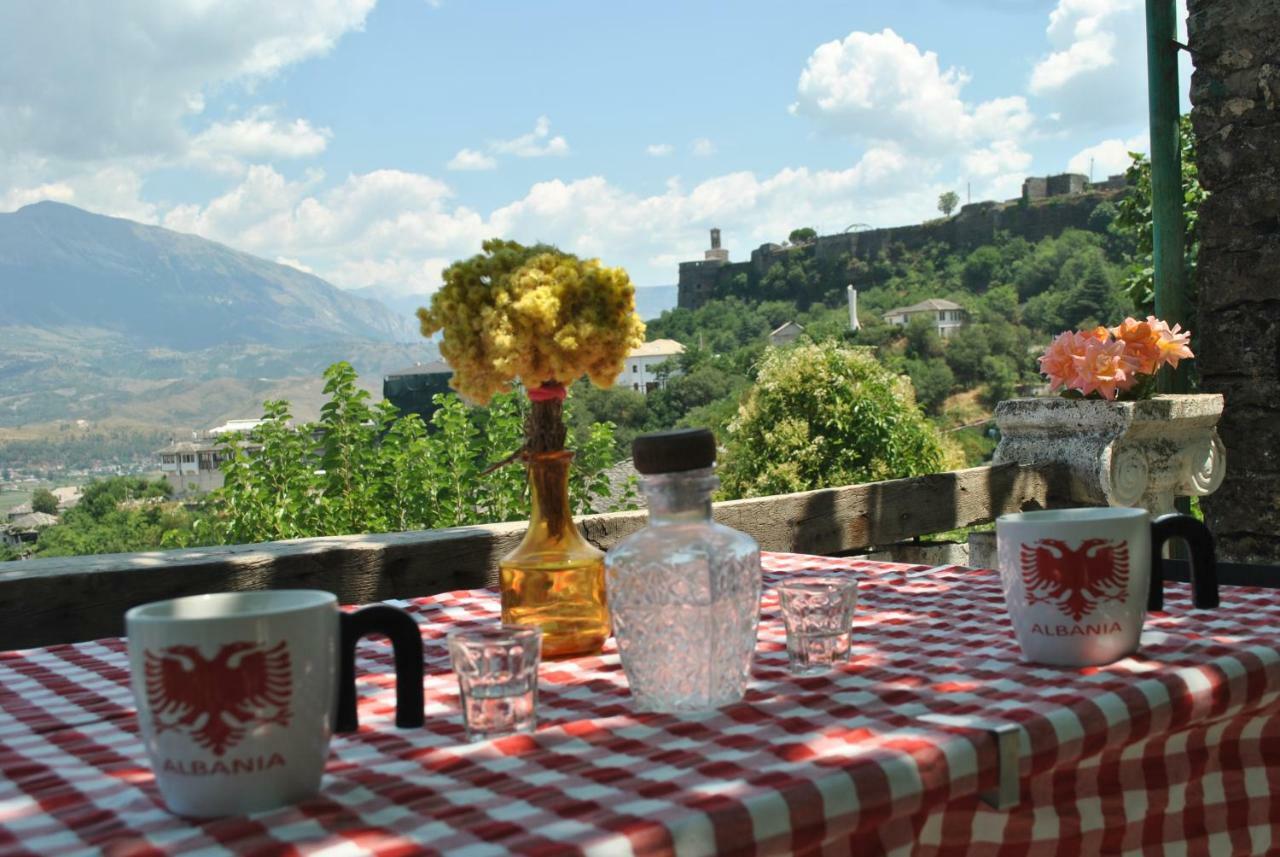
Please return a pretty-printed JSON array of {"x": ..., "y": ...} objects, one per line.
[{"x": 555, "y": 578}]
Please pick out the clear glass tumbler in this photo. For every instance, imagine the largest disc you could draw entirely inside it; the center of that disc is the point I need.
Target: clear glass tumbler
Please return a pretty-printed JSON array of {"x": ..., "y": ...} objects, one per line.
[
  {"x": 497, "y": 670},
  {"x": 818, "y": 613}
]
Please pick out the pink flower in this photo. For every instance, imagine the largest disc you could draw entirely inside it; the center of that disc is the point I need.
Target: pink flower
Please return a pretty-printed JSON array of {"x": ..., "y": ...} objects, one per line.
[
  {"x": 1140, "y": 344},
  {"x": 1102, "y": 368},
  {"x": 1109, "y": 361},
  {"x": 1173, "y": 344},
  {"x": 1058, "y": 361}
]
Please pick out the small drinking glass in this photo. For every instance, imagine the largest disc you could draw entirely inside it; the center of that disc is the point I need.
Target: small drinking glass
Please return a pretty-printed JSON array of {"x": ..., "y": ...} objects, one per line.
[
  {"x": 818, "y": 612},
  {"x": 497, "y": 669}
]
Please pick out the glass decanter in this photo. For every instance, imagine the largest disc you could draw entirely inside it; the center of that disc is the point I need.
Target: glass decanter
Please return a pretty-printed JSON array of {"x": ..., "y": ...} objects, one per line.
[
  {"x": 684, "y": 593},
  {"x": 554, "y": 579}
]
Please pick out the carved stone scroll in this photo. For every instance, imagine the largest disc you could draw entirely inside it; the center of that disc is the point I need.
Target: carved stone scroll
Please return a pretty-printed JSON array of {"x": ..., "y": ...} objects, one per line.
[{"x": 1140, "y": 454}]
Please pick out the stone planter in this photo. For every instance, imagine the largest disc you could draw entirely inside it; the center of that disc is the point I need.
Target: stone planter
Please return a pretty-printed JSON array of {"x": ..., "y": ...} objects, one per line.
[{"x": 1120, "y": 453}]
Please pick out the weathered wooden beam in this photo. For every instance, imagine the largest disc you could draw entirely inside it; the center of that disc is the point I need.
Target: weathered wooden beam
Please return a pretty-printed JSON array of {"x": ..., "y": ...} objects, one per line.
[
  {"x": 841, "y": 520},
  {"x": 48, "y": 601}
]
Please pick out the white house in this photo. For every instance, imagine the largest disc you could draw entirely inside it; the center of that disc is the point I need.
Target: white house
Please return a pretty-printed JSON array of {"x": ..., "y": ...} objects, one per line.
[
  {"x": 946, "y": 315},
  {"x": 194, "y": 466},
  {"x": 638, "y": 373}
]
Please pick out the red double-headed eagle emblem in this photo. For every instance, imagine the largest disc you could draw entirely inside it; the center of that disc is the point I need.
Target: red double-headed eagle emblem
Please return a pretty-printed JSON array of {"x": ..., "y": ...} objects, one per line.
[
  {"x": 218, "y": 701},
  {"x": 1075, "y": 580}
]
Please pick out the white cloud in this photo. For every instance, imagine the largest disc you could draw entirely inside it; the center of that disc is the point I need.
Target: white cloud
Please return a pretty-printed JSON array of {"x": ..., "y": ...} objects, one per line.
[
  {"x": 1108, "y": 158},
  {"x": 995, "y": 171},
  {"x": 883, "y": 90},
  {"x": 1002, "y": 156},
  {"x": 257, "y": 136},
  {"x": 114, "y": 189},
  {"x": 399, "y": 229},
  {"x": 906, "y": 109},
  {"x": 1095, "y": 73},
  {"x": 1083, "y": 33},
  {"x": 1000, "y": 118},
  {"x": 294, "y": 263},
  {"x": 95, "y": 81},
  {"x": 538, "y": 143},
  {"x": 470, "y": 159},
  {"x": 878, "y": 86},
  {"x": 19, "y": 196},
  {"x": 376, "y": 225}
]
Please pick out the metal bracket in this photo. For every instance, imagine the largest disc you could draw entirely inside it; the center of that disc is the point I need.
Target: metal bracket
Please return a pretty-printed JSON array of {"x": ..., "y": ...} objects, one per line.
[{"x": 1008, "y": 791}]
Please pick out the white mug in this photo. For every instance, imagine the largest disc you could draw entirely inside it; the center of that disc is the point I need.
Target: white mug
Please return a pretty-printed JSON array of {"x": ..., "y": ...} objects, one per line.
[
  {"x": 1078, "y": 582},
  {"x": 237, "y": 693}
]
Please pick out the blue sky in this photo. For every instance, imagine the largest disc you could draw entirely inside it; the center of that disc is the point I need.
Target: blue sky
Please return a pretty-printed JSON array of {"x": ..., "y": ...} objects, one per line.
[{"x": 373, "y": 142}]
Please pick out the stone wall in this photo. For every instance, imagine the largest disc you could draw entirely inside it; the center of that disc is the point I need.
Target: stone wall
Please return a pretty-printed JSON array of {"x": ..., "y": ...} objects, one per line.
[
  {"x": 975, "y": 225},
  {"x": 1235, "y": 96},
  {"x": 697, "y": 282}
]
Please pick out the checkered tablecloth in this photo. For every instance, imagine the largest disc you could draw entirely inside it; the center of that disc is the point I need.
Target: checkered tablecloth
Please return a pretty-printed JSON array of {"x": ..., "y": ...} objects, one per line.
[{"x": 888, "y": 755}]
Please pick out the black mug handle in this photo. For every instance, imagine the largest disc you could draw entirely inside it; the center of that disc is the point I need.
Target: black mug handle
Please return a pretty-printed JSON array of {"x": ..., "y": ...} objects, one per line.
[
  {"x": 1204, "y": 565},
  {"x": 406, "y": 643}
]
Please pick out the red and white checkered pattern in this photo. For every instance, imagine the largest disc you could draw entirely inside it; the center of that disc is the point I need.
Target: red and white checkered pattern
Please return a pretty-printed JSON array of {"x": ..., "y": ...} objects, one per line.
[{"x": 887, "y": 755}]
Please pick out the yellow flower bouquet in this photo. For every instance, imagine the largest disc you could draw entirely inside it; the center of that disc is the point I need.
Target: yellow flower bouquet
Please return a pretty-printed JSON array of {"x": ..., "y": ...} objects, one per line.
[
  {"x": 533, "y": 314},
  {"x": 544, "y": 318}
]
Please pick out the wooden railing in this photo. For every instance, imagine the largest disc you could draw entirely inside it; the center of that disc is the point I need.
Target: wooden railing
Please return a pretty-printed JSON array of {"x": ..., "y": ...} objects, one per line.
[{"x": 48, "y": 601}]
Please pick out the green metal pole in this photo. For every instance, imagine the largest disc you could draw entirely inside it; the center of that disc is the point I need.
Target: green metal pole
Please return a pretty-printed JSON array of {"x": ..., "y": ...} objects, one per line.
[{"x": 1168, "y": 228}]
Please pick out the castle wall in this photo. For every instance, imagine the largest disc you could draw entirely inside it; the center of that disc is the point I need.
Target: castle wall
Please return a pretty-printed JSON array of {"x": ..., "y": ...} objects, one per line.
[
  {"x": 697, "y": 282},
  {"x": 975, "y": 225},
  {"x": 1066, "y": 184}
]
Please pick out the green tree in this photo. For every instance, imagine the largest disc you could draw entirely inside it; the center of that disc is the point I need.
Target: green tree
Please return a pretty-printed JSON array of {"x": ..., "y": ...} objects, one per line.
[
  {"x": 923, "y": 340},
  {"x": 1044, "y": 312},
  {"x": 822, "y": 415},
  {"x": 43, "y": 500},
  {"x": 947, "y": 202},
  {"x": 803, "y": 235},
  {"x": 967, "y": 348},
  {"x": 366, "y": 469},
  {"x": 1002, "y": 379},
  {"x": 627, "y": 409},
  {"x": 1133, "y": 220},
  {"x": 270, "y": 483},
  {"x": 1090, "y": 293},
  {"x": 999, "y": 305},
  {"x": 980, "y": 268},
  {"x": 933, "y": 381},
  {"x": 349, "y": 431},
  {"x": 1041, "y": 269},
  {"x": 120, "y": 515},
  {"x": 683, "y": 393}
]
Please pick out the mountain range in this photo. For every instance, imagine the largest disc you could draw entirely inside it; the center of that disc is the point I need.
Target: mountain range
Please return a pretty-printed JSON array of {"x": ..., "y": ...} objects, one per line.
[
  {"x": 103, "y": 318},
  {"x": 109, "y": 320},
  {"x": 61, "y": 266}
]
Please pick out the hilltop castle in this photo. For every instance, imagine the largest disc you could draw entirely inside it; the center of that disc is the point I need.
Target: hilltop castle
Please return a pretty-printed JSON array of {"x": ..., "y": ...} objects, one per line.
[{"x": 1048, "y": 206}]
